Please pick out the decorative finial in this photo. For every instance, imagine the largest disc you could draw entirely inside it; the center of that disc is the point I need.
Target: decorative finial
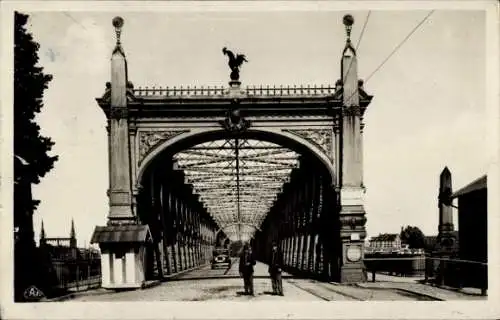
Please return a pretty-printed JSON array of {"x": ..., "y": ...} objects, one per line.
[
  {"x": 118, "y": 24},
  {"x": 348, "y": 21},
  {"x": 235, "y": 62}
]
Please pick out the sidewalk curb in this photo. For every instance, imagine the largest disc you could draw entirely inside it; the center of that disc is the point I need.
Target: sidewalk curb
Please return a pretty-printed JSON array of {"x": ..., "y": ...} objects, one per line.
[
  {"x": 172, "y": 276},
  {"x": 96, "y": 292},
  {"x": 422, "y": 294},
  {"x": 455, "y": 290},
  {"x": 70, "y": 296},
  {"x": 57, "y": 299},
  {"x": 150, "y": 284},
  {"x": 433, "y": 297}
]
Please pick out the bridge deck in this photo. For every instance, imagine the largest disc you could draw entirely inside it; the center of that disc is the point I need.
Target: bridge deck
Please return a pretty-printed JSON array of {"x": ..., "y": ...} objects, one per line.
[{"x": 204, "y": 284}]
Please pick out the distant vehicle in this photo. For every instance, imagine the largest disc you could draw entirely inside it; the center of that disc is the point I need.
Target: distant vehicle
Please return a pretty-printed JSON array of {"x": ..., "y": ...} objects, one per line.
[{"x": 221, "y": 258}]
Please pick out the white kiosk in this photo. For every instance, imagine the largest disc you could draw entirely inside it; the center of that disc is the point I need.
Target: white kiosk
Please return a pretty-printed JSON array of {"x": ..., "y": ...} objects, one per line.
[{"x": 123, "y": 254}]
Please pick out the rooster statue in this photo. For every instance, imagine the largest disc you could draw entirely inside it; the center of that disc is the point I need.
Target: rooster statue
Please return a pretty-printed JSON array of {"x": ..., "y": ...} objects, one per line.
[{"x": 234, "y": 63}]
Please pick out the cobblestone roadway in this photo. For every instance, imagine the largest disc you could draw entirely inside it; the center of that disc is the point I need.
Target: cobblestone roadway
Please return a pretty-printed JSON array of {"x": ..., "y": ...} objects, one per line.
[{"x": 224, "y": 285}]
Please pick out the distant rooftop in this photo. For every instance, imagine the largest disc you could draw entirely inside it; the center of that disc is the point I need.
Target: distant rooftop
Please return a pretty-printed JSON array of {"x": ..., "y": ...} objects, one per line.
[
  {"x": 385, "y": 237},
  {"x": 477, "y": 184}
]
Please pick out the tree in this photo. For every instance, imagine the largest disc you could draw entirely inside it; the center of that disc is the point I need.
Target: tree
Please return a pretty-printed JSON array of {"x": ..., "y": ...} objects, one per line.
[
  {"x": 31, "y": 158},
  {"x": 29, "y": 85},
  {"x": 413, "y": 236}
]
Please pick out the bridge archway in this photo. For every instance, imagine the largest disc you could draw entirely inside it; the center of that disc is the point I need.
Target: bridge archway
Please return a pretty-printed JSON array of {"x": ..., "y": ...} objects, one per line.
[
  {"x": 310, "y": 206},
  {"x": 225, "y": 239},
  {"x": 163, "y": 157},
  {"x": 237, "y": 223},
  {"x": 229, "y": 225},
  {"x": 157, "y": 212},
  {"x": 186, "y": 139}
]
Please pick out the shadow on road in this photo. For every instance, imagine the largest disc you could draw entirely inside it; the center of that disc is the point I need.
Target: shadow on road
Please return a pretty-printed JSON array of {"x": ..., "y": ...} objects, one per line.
[{"x": 188, "y": 278}]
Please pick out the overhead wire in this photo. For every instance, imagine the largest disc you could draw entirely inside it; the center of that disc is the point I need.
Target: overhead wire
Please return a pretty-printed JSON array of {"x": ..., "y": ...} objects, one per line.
[
  {"x": 400, "y": 44},
  {"x": 74, "y": 20},
  {"x": 405, "y": 39},
  {"x": 363, "y": 29}
]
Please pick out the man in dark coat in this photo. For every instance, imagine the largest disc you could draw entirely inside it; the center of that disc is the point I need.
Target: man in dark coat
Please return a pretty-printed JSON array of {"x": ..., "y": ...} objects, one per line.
[
  {"x": 247, "y": 261},
  {"x": 275, "y": 269}
]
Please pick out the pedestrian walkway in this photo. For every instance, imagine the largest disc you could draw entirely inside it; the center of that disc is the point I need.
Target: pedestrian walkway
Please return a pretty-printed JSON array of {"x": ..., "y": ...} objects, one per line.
[
  {"x": 412, "y": 284},
  {"x": 388, "y": 278},
  {"x": 206, "y": 272},
  {"x": 205, "y": 284}
]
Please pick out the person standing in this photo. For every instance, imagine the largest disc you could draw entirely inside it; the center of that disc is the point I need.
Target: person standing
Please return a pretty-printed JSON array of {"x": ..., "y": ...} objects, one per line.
[
  {"x": 275, "y": 269},
  {"x": 247, "y": 262}
]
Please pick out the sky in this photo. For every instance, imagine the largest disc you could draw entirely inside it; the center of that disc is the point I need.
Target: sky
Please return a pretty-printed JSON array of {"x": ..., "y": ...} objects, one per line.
[{"x": 428, "y": 109}]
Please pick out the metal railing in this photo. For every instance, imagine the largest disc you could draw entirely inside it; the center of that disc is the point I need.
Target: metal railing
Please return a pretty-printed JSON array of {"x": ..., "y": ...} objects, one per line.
[
  {"x": 211, "y": 91},
  {"x": 395, "y": 264},
  {"x": 437, "y": 270},
  {"x": 180, "y": 91},
  {"x": 457, "y": 273},
  {"x": 78, "y": 274},
  {"x": 290, "y": 90}
]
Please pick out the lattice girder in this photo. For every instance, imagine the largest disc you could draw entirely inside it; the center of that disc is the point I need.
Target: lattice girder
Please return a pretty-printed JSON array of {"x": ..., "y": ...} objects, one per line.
[{"x": 238, "y": 181}]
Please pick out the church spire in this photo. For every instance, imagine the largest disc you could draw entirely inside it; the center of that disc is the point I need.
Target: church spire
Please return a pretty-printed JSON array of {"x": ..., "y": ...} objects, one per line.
[
  {"x": 72, "y": 234},
  {"x": 42, "y": 234}
]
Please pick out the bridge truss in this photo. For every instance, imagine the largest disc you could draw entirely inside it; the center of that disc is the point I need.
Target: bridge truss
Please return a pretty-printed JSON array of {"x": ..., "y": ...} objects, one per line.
[
  {"x": 238, "y": 180},
  {"x": 247, "y": 188}
]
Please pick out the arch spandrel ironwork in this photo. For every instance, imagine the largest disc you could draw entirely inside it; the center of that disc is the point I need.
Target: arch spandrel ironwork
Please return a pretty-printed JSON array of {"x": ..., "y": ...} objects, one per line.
[
  {"x": 323, "y": 138},
  {"x": 148, "y": 140},
  {"x": 292, "y": 141},
  {"x": 210, "y": 168}
]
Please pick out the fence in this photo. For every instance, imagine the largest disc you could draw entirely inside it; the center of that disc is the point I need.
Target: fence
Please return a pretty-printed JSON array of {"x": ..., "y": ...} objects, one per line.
[
  {"x": 457, "y": 273},
  {"x": 437, "y": 270},
  {"x": 78, "y": 274},
  {"x": 396, "y": 264},
  {"x": 266, "y": 91}
]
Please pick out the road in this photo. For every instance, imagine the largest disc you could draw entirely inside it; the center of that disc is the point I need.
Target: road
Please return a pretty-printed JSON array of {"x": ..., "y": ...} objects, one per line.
[{"x": 205, "y": 284}]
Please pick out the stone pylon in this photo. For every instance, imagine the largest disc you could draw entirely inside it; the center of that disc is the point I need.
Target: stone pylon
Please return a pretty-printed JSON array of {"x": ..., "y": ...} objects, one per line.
[
  {"x": 122, "y": 241},
  {"x": 445, "y": 228},
  {"x": 352, "y": 212},
  {"x": 120, "y": 189}
]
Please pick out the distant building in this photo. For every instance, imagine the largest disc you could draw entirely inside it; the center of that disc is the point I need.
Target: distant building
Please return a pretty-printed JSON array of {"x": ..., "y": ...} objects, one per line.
[
  {"x": 65, "y": 248},
  {"x": 386, "y": 241},
  {"x": 432, "y": 241},
  {"x": 472, "y": 220}
]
